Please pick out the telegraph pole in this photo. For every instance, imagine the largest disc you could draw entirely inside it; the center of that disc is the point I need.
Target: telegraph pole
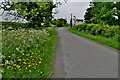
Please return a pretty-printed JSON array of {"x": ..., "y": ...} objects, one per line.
[{"x": 71, "y": 21}]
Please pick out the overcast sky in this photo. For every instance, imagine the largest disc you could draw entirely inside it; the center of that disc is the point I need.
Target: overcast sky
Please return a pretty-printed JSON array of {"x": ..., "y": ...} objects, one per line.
[{"x": 75, "y": 7}]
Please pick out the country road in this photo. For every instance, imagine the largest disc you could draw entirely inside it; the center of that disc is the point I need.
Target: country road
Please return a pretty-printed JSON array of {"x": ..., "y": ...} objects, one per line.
[{"x": 78, "y": 57}]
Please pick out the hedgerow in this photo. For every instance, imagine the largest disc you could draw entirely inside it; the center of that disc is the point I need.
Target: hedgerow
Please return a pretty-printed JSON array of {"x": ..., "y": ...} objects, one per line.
[
  {"x": 99, "y": 30},
  {"x": 13, "y": 25}
]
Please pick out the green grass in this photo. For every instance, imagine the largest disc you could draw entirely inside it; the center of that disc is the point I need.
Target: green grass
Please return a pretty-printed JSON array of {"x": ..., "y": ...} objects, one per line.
[
  {"x": 28, "y": 53},
  {"x": 106, "y": 41},
  {"x": 49, "y": 58},
  {"x": 66, "y": 27}
]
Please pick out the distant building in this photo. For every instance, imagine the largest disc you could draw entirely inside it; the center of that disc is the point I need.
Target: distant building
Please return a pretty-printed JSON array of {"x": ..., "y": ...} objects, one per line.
[{"x": 77, "y": 21}]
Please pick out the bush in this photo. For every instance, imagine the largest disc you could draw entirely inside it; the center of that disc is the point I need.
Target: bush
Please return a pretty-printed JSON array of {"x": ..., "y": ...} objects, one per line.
[
  {"x": 93, "y": 29},
  {"x": 97, "y": 29},
  {"x": 89, "y": 27}
]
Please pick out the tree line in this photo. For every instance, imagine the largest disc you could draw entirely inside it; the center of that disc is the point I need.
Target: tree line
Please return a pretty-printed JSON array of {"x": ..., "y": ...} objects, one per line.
[
  {"x": 36, "y": 13},
  {"x": 103, "y": 13}
]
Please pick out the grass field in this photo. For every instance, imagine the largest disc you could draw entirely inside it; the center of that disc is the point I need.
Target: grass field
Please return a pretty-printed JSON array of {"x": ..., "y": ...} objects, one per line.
[
  {"x": 28, "y": 53},
  {"x": 106, "y": 41}
]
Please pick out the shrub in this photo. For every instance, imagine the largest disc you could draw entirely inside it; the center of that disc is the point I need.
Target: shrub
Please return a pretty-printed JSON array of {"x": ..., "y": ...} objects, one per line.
[
  {"x": 93, "y": 29},
  {"x": 98, "y": 29},
  {"x": 89, "y": 27}
]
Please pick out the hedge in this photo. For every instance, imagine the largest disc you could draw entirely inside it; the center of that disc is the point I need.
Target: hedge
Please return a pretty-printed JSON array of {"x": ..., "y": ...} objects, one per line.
[
  {"x": 13, "y": 25},
  {"x": 100, "y": 30}
]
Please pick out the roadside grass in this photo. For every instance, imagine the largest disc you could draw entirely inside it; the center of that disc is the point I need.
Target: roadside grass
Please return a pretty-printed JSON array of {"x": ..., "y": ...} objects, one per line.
[
  {"x": 66, "y": 27},
  {"x": 28, "y": 53},
  {"x": 49, "y": 57},
  {"x": 106, "y": 41}
]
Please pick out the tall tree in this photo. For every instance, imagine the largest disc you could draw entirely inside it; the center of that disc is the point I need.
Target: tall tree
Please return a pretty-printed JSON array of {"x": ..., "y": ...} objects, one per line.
[
  {"x": 88, "y": 15},
  {"x": 34, "y": 12},
  {"x": 61, "y": 22},
  {"x": 117, "y": 11},
  {"x": 102, "y": 12}
]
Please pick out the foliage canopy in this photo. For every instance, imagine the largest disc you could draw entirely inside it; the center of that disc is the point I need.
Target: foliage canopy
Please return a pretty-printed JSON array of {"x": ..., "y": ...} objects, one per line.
[
  {"x": 35, "y": 13},
  {"x": 103, "y": 13}
]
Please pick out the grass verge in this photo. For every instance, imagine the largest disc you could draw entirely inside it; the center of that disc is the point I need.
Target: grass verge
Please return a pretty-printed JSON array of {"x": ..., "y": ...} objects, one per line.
[
  {"x": 106, "y": 41},
  {"x": 28, "y": 53},
  {"x": 66, "y": 27},
  {"x": 49, "y": 58}
]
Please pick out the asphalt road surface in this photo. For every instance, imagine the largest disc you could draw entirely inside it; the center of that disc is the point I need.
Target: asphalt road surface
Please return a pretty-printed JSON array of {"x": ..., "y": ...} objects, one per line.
[{"x": 78, "y": 57}]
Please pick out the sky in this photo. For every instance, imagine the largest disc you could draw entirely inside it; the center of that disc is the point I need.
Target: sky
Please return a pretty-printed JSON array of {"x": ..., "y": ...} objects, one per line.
[{"x": 75, "y": 7}]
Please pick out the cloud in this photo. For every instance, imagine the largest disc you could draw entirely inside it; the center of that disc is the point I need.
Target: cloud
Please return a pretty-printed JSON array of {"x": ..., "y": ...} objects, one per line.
[{"x": 76, "y": 8}]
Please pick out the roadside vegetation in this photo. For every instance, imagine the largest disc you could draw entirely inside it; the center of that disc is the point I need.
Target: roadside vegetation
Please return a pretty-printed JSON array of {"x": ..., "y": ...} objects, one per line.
[
  {"x": 109, "y": 41},
  {"x": 28, "y": 53},
  {"x": 28, "y": 48},
  {"x": 59, "y": 22},
  {"x": 101, "y": 24}
]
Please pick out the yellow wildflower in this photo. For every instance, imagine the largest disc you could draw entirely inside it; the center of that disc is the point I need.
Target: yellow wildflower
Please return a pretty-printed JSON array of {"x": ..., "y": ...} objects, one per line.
[
  {"x": 27, "y": 54},
  {"x": 39, "y": 62},
  {"x": 18, "y": 66},
  {"x": 29, "y": 65},
  {"x": 19, "y": 60},
  {"x": 14, "y": 64},
  {"x": 24, "y": 62},
  {"x": 40, "y": 58}
]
